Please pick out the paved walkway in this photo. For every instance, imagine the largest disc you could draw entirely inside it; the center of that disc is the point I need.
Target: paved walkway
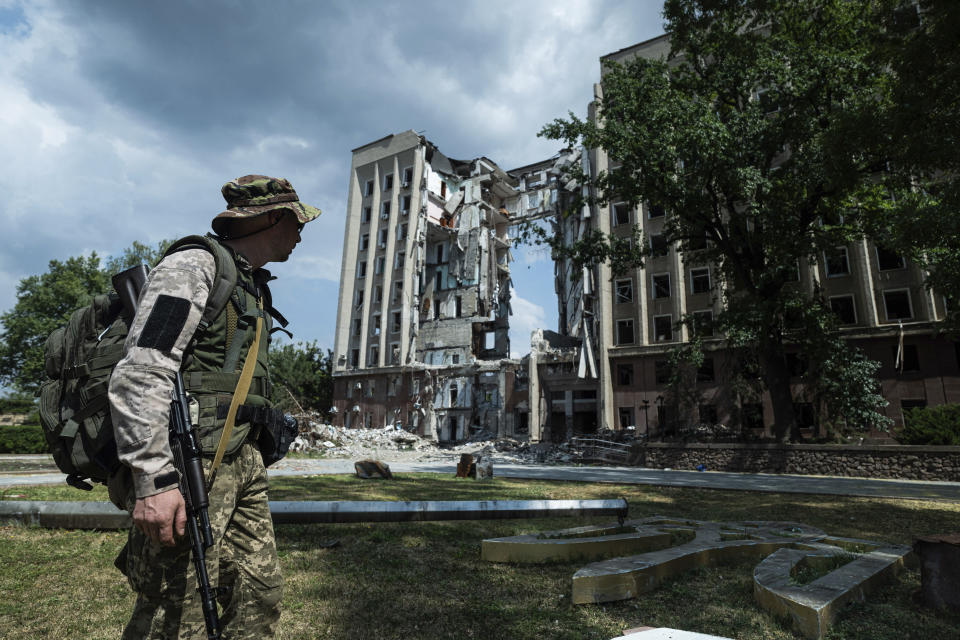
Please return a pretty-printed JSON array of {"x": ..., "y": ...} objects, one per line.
[{"x": 826, "y": 485}]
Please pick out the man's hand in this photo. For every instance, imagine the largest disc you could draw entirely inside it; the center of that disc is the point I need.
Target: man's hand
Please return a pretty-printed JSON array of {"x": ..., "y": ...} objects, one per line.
[{"x": 158, "y": 515}]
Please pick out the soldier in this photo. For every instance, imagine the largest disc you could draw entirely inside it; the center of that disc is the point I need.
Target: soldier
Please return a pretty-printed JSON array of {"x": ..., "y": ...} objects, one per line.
[{"x": 262, "y": 224}]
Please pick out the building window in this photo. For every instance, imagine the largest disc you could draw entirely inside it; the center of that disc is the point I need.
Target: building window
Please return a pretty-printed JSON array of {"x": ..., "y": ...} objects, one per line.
[
  {"x": 355, "y": 358},
  {"x": 658, "y": 245},
  {"x": 378, "y": 294},
  {"x": 663, "y": 328},
  {"x": 402, "y": 231},
  {"x": 395, "y": 324},
  {"x": 454, "y": 394},
  {"x": 375, "y": 326},
  {"x": 359, "y": 301},
  {"x": 459, "y": 307},
  {"x": 397, "y": 291},
  {"x": 439, "y": 253},
  {"x": 907, "y": 360},
  {"x": 439, "y": 284},
  {"x": 407, "y": 176},
  {"x": 661, "y": 371},
  {"x": 661, "y": 285},
  {"x": 655, "y": 211},
  {"x": 387, "y": 181},
  {"x": 625, "y": 331},
  {"x": 624, "y": 375},
  {"x": 836, "y": 262},
  {"x": 700, "y": 280},
  {"x": 533, "y": 200},
  {"x": 624, "y": 290},
  {"x": 705, "y": 372},
  {"x": 405, "y": 205},
  {"x": 897, "y": 304},
  {"x": 364, "y": 241},
  {"x": 888, "y": 260},
  {"x": 385, "y": 210},
  {"x": 368, "y": 188},
  {"x": 378, "y": 265},
  {"x": 708, "y": 413},
  {"x": 382, "y": 238},
  {"x": 844, "y": 308},
  {"x": 362, "y": 269},
  {"x": 703, "y": 323},
  {"x": 374, "y": 361},
  {"x": 436, "y": 308},
  {"x": 626, "y": 417},
  {"x": 621, "y": 214},
  {"x": 395, "y": 353},
  {"x": 399, "y": 259},
  {"x": 357, "y": 326},
  {"x": 365, "y": 215}
]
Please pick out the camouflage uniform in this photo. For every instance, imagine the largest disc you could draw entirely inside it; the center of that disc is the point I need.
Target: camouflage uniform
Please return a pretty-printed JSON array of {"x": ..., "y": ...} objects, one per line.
[{"x": 243, "y": 562}]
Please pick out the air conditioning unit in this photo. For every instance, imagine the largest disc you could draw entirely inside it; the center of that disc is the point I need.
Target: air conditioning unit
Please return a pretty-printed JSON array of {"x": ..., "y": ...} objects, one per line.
[
  {"x": 405, "y": 184},
  {"x": 356, "y": 408}
]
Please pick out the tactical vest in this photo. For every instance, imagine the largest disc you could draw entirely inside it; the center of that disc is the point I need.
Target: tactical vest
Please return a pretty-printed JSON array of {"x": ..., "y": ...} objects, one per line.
[{"x": 213, "y": 360}]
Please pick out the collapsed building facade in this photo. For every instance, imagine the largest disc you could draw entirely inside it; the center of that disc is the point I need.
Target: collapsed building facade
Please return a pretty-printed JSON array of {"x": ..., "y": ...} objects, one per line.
[
  {"x": 422, "y": 328},
  {"x": 422, "y": 337}
]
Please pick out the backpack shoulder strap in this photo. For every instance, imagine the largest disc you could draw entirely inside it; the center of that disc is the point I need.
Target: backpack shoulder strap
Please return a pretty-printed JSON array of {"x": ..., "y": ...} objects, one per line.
[{"x": 225, "y": 280}]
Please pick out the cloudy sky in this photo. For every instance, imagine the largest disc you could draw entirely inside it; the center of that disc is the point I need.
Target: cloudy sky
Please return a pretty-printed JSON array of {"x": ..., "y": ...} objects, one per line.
[{"x": 120, "y": 120}]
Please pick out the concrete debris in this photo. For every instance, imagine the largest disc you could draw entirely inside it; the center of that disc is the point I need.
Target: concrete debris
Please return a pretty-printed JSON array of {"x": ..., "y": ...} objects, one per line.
[
  {"x": 367, "y": 469},
  {"x": 392, "y": 444}
]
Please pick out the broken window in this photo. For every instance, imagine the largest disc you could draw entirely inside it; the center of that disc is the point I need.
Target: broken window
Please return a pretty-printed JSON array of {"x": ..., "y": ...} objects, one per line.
[
  {"x": 907, "y": 359},
  {"x": 700, "y": 280},
  {"x": 836, "y": 262},
  {"x": 355, "y": 358},
  {"x": 459, "y": 306},
  {"x": 368, "y": 188},
  {"x": 454, "y": 392},
  {"x": 624, "y": 290},
  {"x": 703, "y": 323},
  {"x": 621, "y": 214},
  {"x": 624, "y": 375},
  {"x": 375, "y": 327},
  {"x": 705, "y": 372},
  {"x": 844, "y": 308},
  {"x": 397, "y": 291},
  {"x": 436, "y": 308},
  {"x": 396, "y": 321},
  {"x": 382, "y": 238},
  {"x": 405, "y": 205},
  {"x": 658, "y": 245},
  {"x": 887, "y": 260},
  {"x": 533, "y": 200},
  {"x": 378, "y": 265},
  {"x": 439, "y": 253},
  {"x": 625, "y": 331},
  {"x": 395, "y": 353},
  {"x": 489, "y": 340},
  {"x": 655, "y": 210},
  {"x": 393, "y": 383},
  {"x": 455, "y": 358},
  {"x": 365, "y": 216},
  {"x": 663, "y": 328},
  {"x": 388, "y": 182},
  {"x": 402, "y": 231},
  {"x": 378, "y": 294},
  {"x": 374, "y": 361},
  {"x": 661, "y": 285},
  {"x": 897, "y": 304},
  {"x": 364, "y": 241},
  {"x": 359, "y": 300},
  {"x": 438, "y": 281},
  {"x": 407, "y": 176},
  {"x": 357, "y": 326},
  {"x": 385, "y": 210},
  {"x": 362, "y": 269},
  {"x": 626, "y": 417},
  {"x": 399, "y": 260}
]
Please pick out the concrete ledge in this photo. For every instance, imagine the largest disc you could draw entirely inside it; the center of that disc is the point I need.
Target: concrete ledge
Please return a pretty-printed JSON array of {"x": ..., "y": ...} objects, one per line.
[
  {"x": 813, "y": 607},
  {"x": 579, "y": 543},
  {"x": 64, "y": 515}
]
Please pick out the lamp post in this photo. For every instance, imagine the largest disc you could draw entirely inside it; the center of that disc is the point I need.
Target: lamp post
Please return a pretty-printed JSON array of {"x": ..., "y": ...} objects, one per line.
[
  {"x": 660, "y": 418},
  {"x": 646, "y": 418}
]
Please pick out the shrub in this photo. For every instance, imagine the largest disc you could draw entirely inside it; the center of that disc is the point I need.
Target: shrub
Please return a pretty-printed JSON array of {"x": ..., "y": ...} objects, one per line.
[
  {"x": 22, "y": 438},
  {"x": 932, "y": 425},
  {"x": 17, "y": 403}
]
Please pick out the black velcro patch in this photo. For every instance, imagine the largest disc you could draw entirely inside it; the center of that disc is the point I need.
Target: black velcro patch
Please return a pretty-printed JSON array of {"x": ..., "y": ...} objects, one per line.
[
  {"x": 165, "y": 323},
  {"x": 167, "y": 479}
]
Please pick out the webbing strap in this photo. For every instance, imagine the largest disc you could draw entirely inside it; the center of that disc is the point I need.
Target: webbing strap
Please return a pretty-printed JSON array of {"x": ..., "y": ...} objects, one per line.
[
  {"x": 239, "y": 396},
  {"x": 219, "y": 382}
]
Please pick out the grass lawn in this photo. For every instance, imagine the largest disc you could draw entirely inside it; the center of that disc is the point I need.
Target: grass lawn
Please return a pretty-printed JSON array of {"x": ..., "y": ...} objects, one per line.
[{"x": 426, "y": 580}]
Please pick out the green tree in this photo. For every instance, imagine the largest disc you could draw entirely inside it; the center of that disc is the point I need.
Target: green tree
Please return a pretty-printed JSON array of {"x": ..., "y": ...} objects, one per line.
[
  {"x": 742, "y": 135},
  {"x": 44, "y": 302},
  {"x": 302, "y": 375}
]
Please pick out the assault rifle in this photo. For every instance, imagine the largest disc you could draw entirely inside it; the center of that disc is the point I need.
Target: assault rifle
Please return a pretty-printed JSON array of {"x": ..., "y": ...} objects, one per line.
[{"x": 187, "y": 460}]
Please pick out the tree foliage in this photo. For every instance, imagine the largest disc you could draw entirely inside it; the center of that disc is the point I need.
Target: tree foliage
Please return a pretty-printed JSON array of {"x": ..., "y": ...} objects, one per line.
[
  {"x": 45, "y": 302},
  {"x": 743, "y": 135},
  {"x": 302, "y": 375}
]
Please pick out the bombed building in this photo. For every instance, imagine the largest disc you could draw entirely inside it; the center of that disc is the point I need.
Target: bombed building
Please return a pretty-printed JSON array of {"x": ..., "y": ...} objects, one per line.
[{"x": 422, "y": 337}]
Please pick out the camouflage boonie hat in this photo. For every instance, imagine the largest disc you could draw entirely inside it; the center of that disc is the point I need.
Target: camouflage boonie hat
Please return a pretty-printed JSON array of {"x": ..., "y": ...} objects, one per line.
[{"x": 253, "y": 195}]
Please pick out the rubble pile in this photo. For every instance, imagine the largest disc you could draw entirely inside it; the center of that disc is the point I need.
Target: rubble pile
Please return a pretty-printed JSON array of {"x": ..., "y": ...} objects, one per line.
[{"x": 389, "y": 443}]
